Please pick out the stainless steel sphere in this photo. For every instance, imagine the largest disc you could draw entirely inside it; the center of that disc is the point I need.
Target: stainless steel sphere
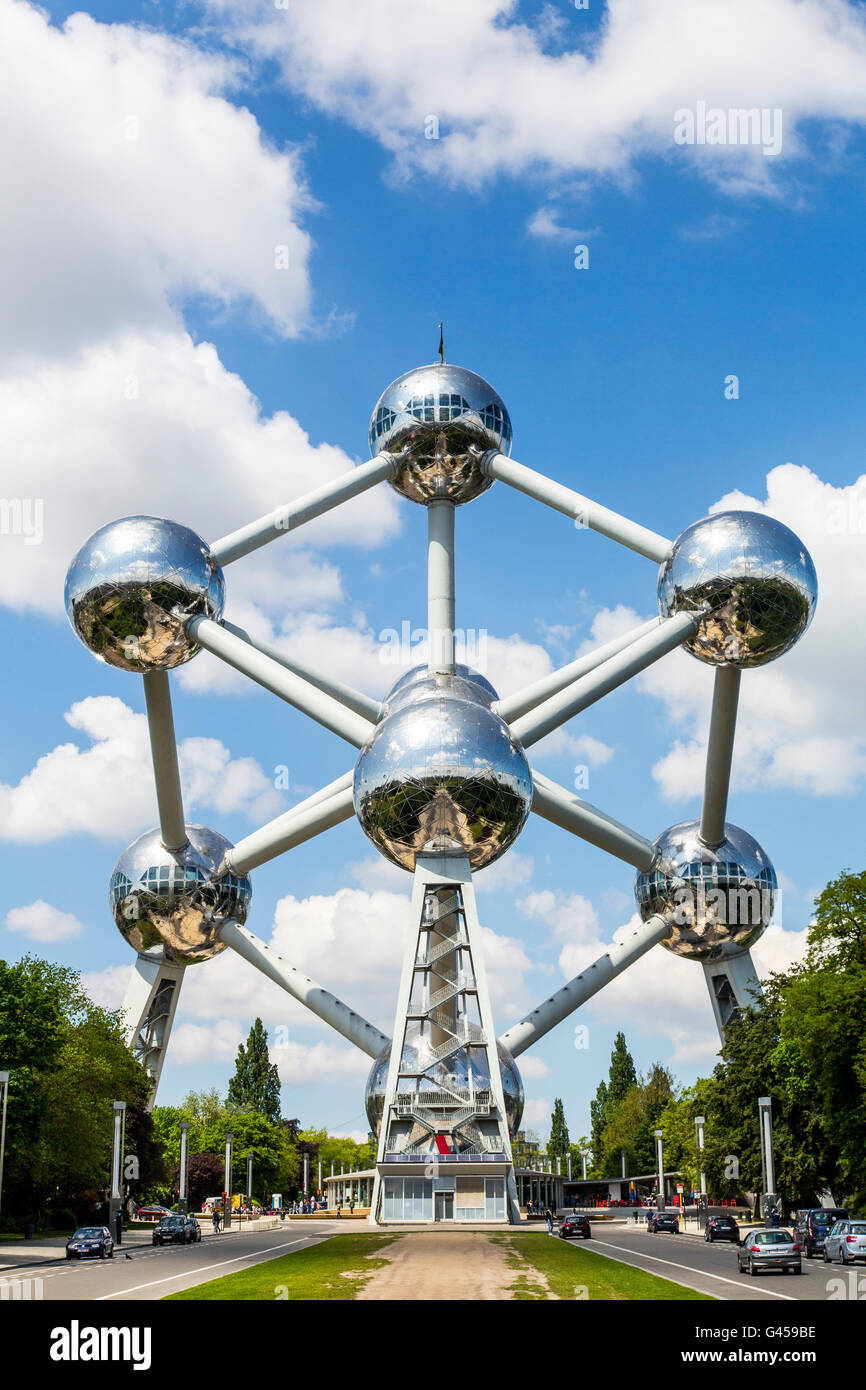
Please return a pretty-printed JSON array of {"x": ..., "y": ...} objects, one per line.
[
  {"x": 717, "y": 900},
  {"x": 173, "y": 899},
  {"x": 130, "y": 587},
  {"x": 756, "y": 576},
  {"x": 452, "y": 1074},
  {"x": 442, "y": 772},
  {"x": 439, "y": 422}
]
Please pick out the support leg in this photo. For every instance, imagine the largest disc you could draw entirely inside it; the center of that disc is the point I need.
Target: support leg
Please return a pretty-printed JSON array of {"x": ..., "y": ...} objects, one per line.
[{"x": 149, "y": 1009}]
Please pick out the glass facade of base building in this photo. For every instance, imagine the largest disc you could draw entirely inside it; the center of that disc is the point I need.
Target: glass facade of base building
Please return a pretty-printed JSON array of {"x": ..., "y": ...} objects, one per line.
[{"x": 457, "y": 1198}]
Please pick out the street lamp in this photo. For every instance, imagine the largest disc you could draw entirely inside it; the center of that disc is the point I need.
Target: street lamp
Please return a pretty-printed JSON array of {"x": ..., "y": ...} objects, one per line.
[
  {"x": 768, "y": 1171},
  {"x": 657, "y": 1134},
  {"x": 249, "y": 1159},
  {"x": 4, "y": 1082},
  {"x": 116, "y": 1199},
  {"x": 227, "y": 1187},
  {"x": 699, "y": 1136},
  {"x": 183, "y": 1181}
]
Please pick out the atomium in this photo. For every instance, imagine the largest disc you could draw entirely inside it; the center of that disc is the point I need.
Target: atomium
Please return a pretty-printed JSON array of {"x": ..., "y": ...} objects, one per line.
[
  {"x": 757, "y": 578},
  {"x": 452, "y": 1075},
  {"x": 174, "y": 899},
  {"x": 131, "y": 587},
  {"x": 716, "y": 900},
  {"x": 442, "y": 772},
  {"x": 438, "y": 422}
]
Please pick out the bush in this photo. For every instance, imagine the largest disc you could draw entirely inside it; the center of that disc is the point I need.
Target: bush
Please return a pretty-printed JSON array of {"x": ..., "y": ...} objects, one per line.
[{"x": 62, "y": 1219}]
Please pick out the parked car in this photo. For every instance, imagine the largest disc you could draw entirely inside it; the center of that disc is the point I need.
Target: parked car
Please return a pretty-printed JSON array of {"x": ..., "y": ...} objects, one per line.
[
  {"x": 575, "y": 1225},
  {"x": 722, "y": 1228},
  {"x": 152, "y": 1213},
  {"x": 845, "y": 1242},
  {"x": 175, "y": 1230},
  {"x": 90, "y": 1240},
  {"x": 194, "y": 1229},
  {"x": 812, "y": 1225},
  {"x": 662, "y": 1221},
  {"x": 765, "y": 1250}
]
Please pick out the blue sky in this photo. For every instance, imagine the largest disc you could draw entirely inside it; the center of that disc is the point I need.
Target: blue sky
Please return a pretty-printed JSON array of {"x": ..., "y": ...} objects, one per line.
[{"x": 703, "y": 263}]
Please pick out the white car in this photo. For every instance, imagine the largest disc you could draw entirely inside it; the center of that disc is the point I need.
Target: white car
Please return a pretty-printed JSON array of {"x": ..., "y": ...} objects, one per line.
[{"x": 846, "y": 1243}]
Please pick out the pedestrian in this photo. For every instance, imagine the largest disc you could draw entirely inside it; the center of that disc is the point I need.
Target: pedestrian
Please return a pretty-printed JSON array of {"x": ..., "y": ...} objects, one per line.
[
  {"x": 549, "y": 1218},
  {"x": 216, "y": 1221},
  {"x": 352, "y": 1207},
  {"x": 340, "y": 1210}
]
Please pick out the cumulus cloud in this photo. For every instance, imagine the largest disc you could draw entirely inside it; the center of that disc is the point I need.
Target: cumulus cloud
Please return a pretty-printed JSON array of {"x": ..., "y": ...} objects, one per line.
[
  {"x": 572, "y": 918},
  {"x": 107, "y": 789},
  {"x": 497, "y": 95},
  {"x": 320, "y": 1064},
  {"x": 41, "y": 922}
]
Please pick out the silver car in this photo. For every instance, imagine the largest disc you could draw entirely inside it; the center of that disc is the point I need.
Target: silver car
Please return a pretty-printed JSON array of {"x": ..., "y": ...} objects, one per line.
[
  {"x": 846, "y": 1243},
  {"x": 764, "y": 1250}
]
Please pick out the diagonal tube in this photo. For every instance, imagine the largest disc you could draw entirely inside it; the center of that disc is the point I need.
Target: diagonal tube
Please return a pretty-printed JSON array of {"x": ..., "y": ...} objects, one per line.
[
  {"x": 293, "y": 514},
  {"x": 330, "y": 806},
  {"x": 565, "y": 809},
  {"x": 319, "y": 1001},
  {"x": 614, "y": 961},
  {"x": 581, "y": 509},
  {"x": 271, "y": 674},
  {"x": 668, "y": 634},
  {"x": 344, "y": 694},
  {"x": 531, "y": 696},
  {"x": 720, "y": 751},
  {"x": 163, "y": 748}
]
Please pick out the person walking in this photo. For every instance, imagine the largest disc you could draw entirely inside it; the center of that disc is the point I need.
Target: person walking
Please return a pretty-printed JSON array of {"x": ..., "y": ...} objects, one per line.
[
  {"x": 548, "y": 1214},
  {"x": 216, "y": 1221}
]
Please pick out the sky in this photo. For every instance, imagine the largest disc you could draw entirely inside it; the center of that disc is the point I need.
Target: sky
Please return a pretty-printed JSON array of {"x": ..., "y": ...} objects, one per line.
[{"x": 225, "y": 228}]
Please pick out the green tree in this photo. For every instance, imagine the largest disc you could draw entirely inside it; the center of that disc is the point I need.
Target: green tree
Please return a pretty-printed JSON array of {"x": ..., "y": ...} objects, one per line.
[
  {"x": 256, "y": 1081},
  {"x": 559, "y": 1143},
  {"x": 622, "y": 1072},
  {"x": 598, "y": 1120}
]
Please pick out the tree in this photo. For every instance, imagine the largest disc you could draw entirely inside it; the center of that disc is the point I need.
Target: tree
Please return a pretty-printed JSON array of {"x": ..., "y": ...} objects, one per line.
[
  {"x": 622, "y": 1072},
  {"x": 598, "y": 1120},
  {"x": 558, "y": 1144},
  {"x": 256, "y": 1082}
]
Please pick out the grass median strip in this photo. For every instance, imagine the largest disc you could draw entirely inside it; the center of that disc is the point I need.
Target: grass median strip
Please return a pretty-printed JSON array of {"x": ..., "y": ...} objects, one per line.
[
  {"x": 538, "y": 1268},
  {"x": 334, "y": 1269}
]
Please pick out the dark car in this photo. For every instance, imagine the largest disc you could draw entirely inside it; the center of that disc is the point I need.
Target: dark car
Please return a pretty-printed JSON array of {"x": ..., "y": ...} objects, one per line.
[
  {"x": 575, "y": 1225},
  {"x": 764, "y": 1250},
  {"x": 90, "y": 1240},
  {"x": 194, "y": 1229},
  {"x": 662, "y": 1221},
  {"x": 174, "y": 1230},
  {"x": 722, "y": 1228},
  {"x": 813, "y": 1224}
]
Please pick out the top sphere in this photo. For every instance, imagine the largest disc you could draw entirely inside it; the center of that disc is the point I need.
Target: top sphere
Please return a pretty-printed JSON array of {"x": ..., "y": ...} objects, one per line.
[
  {"x": 758, "y": 579},
  {"x": 438, "y": 422},
  {"x": 131, "y": 586}
]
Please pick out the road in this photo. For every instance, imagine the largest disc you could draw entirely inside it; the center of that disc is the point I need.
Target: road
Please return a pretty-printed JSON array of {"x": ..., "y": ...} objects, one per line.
[
  {"x": 712, "y": 1268},
  {"x": 152, "y": 1272}
]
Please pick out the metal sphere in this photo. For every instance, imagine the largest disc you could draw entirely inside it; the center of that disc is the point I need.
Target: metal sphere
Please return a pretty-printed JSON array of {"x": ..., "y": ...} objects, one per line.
[
  {"x": 717, "y": 900},
  {"x": 418, "y": 684},
  {"x": 442, "y": 773},
  {"x": 438, "y": 422},
  {"x": 131, "y": 586},
  {"x": 758, "y": 579},
  {"x": 449, "y": 1075},
  {"x": 172, "y": 899}
]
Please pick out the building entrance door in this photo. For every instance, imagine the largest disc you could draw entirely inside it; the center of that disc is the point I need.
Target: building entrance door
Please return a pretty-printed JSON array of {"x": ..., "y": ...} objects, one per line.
[{"x": 443, "y": 1206}]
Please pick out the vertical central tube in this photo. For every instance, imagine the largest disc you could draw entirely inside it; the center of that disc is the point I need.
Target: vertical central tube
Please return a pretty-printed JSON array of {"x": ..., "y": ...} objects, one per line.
[{"x": 440, "y": 587}]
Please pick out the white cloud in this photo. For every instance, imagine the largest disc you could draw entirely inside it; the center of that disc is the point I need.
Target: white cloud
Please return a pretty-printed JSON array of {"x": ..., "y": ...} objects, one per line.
[
  {"x": 107, "y": 789},
  {"x": 42, "y": 922},
  {"x": 321, "y": 1064},
  {"x": 573, "y": 918},
  {"x": 537, "y": 1113},
  {"x": 508, "y": 101},
  {"x": 544, "y": 225},
  {"x": 532, "y": 1068},
  {"x": 197, "y": 1044}
]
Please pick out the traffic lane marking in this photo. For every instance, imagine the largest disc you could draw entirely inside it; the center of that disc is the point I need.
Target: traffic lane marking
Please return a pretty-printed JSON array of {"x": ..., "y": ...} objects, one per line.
[
  {"x": 738, "y": 1283},
  {"x": 250, "y": 1255}
]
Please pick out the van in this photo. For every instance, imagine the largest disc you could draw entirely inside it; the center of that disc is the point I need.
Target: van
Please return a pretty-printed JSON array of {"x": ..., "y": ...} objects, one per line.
[{"x": 812, "y": 1225}]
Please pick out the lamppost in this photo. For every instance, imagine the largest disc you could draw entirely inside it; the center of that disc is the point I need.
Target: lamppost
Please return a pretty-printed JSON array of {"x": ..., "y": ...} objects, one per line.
[
  {"x": 583, "y": 1157},
  {"x": 249, "y": 1159},
  {"x": 699, "y": 1137},
  {"x": 116, "y": 1200},
  {"x": 227, "y": 1187},
  {"x": 183, "y": 1180},
  {"x": 768, "y": 1171},
  {"x": 4, "y": 1082},
  {"x": 660, "y": 1202}
]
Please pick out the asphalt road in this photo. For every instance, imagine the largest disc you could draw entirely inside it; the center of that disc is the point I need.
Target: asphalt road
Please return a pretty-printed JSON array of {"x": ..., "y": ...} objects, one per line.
[
  {"x": 151, "y": 1272},
  {"x": 712, "y": 1268}
]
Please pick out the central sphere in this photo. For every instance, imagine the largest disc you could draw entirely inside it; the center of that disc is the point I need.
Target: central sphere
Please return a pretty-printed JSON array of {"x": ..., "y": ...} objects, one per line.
[
  {"x": 717, "y": 900},
  {"x": 173, "y": 899},
  {"x": 133, "y": 584},
  {"x": 757, "y": 579},
  {"x": 450, "y": 1075},
  {"x": 442, "y": 772},
  {"x": 438, "y": 422}
]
